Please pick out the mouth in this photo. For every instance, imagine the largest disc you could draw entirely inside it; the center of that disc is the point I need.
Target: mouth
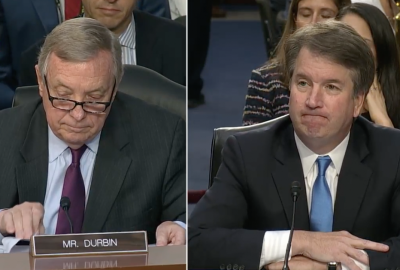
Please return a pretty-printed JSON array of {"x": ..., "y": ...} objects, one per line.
[
  {"x": 76, "y": 129},
  {"x": 109, "y": 10},
  {"x": 313, "y": 116}
]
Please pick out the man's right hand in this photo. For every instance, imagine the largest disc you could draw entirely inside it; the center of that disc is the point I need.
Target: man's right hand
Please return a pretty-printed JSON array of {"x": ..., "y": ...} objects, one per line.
[
  {"x": 23, "y": 220},
  {"x": 334, "y": 247}
]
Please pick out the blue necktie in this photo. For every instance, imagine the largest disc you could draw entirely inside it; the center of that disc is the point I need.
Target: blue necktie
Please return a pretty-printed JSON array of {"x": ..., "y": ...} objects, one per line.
[{"x": 321, "y": 217}]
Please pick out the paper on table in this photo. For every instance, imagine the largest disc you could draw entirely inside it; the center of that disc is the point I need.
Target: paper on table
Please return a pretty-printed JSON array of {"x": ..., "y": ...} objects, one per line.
[{"x": 9, "y": 243}]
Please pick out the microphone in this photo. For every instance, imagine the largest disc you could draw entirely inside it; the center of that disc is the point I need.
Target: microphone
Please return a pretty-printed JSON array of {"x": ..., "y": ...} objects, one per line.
[
  {"x": 295, "y": 191},
  {"x": 65, "y": 203}
]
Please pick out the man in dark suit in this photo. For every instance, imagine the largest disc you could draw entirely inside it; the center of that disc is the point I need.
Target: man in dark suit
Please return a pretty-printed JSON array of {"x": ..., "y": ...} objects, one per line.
[
  {"x": 149, "y": 41},
  {"x": 121, "y": 162},
  {"x": 347, "y": 167}
]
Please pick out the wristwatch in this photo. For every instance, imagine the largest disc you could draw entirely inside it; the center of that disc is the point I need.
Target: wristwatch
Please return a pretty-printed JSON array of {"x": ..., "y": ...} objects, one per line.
[{"x": 332, "y": 266}]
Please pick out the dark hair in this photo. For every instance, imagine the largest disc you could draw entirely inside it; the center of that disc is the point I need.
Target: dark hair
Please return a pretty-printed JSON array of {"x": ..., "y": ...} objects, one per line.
[
  {"x": 338, "y": 43},
  {"x": 387, "y": 55},
  {"x": 290, "y": 26}
]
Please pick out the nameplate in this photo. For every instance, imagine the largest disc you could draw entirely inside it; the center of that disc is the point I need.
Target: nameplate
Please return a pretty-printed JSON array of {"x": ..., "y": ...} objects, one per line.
[{"x": 89, "y": 243}]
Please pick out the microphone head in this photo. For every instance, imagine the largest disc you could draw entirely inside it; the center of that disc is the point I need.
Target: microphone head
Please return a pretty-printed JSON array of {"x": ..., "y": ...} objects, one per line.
[
  {"x": 65, "y": 203},
  {"x": 295, "y": 189}
]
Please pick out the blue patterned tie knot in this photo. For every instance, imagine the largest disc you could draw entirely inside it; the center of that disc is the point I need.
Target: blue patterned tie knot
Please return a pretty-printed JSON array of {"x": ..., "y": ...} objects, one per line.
[
  {"x": 321, "y": 216},
  {"x": 323, "y": 163}
]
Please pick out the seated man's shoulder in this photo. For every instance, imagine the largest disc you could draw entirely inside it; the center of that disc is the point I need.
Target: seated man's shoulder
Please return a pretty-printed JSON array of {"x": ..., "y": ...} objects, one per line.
[
  {"x": 14, "y": 123},
  {"x": 21, "y": 114},
  {"x": 380, "y": 136}
]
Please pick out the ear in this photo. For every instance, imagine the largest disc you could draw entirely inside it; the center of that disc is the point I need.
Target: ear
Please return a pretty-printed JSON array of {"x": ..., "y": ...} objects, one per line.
[
  {"x": 40, "y": 81},
  {"x": 358, "y": 103}
]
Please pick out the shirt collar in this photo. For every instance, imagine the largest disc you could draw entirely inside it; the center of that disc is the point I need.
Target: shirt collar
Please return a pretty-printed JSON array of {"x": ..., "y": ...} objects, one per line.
[
  {"x": 127, "y": 38},
  {"x": 57, "y": 146},
  {"x": 308, "y": 157}
]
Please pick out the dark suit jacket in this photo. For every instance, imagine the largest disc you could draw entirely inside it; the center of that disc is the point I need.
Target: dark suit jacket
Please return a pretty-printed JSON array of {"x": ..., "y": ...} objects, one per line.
[
  {"x": 22, "y": 23},
  {"x": 156, "y": 7},
  {"x": 139, "y": 174},
  {"x": 160, "y": 46},
  {"x": 251, "y": 195}
]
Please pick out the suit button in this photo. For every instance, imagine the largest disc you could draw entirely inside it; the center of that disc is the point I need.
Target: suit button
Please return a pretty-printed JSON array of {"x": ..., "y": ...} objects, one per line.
[
  {"x": 241, "y": 267},
  {"x": 229, "y": 267},
  {"x": 235, "y": 267},
  {"x": 397, "y": 268},
  {"x": 222, "y": 267}
]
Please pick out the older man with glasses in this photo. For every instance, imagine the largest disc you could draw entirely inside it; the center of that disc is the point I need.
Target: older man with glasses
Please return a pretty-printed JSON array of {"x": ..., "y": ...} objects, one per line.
[{"x": 120, "y": 161}]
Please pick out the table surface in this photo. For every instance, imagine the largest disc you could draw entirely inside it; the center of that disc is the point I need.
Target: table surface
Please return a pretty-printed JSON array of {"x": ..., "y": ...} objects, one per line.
[{"x": 165, "y": 258}]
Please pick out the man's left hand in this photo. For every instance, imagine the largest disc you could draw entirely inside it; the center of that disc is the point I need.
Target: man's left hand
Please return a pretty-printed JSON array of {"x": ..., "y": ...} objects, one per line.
[
  {"x": 170, "y": 233},
  {"x": 298, "y": 263}
]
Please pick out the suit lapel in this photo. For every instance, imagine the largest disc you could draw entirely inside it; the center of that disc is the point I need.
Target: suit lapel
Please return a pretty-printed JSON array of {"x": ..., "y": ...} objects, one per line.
[
  {"x": 353, "y": 181},
  {"x": 288, "y": 169},
  {"x": 32, "y": 175},
  {"x": 48, "y": 14},
  {"x": 109, "y": 172}
]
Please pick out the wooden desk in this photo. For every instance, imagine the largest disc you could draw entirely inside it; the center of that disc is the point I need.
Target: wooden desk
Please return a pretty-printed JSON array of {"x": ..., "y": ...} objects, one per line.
[{"x": 158, "y": 258}]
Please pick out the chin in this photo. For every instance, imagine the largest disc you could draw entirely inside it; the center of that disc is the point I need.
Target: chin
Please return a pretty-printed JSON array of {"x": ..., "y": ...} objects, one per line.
[{"x": 75, "y": 139}]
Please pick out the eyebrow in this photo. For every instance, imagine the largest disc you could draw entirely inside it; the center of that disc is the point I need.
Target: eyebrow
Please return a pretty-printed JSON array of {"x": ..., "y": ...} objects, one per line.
[
  {"x": 60, "y": 84},
  {"x": 304, "y": 76},
  {"x": 322, "y": 9}
]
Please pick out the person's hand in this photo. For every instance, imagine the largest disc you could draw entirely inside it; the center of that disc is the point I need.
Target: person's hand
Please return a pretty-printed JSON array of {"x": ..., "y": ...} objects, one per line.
[
  {"x": 298, "y": 263},
  {"x": 375, "y": 104},
  {"x": 340, "y": 247},
  {"x": 170, "y": 233},
  {"x": 23, "y": 220}
]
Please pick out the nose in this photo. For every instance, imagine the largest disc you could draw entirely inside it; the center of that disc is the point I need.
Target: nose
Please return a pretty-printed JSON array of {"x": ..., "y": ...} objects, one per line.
[
  {"x": 315, "y": 98},
  {"x": 78, "y": 113},
  {"x": 315, "y": 18}
]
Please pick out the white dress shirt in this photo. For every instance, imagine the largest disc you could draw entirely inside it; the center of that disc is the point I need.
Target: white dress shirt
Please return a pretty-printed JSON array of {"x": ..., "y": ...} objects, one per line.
[
  {"x": 128, "y": 44},
  {"x": 274, "y": 244}
]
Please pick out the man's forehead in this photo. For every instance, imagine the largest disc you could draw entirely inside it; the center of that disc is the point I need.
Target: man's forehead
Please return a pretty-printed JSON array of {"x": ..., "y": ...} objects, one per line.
[
  {"x": 95, "y": 67},
  {"x": 309, "y": 63}
]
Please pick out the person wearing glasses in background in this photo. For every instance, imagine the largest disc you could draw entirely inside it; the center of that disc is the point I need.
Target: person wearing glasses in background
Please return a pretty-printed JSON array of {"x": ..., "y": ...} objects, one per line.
[
  {"x": 267, "y": 95},
  {"x": 120, "y": 161},
  {"x": 25, "y": 22}
]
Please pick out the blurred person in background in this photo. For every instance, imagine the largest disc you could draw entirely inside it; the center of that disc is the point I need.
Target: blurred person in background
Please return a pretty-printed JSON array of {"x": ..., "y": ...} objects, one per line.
[
  {"x": 381, "y": 105},
  {"x": 268, "y": 95},
  {"x": 199, "y": 23},
  {"x": 388, "y": 7},
  {"x": 149, "y": 41}
]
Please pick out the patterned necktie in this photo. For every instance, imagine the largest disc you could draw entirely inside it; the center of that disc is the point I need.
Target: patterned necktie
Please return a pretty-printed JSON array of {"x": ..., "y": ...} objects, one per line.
[
  {"x": 72, "y": 8},
  {"x": 321, "y": 216},
  {"x": 74, "y": 189}
]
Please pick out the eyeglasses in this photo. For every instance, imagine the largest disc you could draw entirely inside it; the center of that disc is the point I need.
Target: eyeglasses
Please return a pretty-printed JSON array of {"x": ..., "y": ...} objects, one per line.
[{"x": 88, "y": 106}]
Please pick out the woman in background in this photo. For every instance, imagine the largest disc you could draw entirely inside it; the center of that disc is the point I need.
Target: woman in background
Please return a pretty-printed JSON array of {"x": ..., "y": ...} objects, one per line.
[
  {"x": 382, "y": 104},
  {"x": 268, "y": 96}
]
